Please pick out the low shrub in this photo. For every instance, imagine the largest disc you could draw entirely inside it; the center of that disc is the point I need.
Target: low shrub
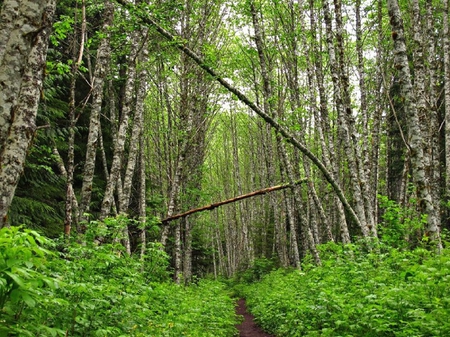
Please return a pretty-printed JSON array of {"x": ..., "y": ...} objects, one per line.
[
  {"x": 97, "y": 290},
  {"x": 388, "y": 292},
  {"x": 24, "y": 282}
]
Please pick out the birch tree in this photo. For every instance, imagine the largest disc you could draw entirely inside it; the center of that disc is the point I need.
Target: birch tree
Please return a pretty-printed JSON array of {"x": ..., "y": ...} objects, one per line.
[
  {"x": 24, "y": 32},
  {"x": 77, "y": 50},
  {"x": 415, "y": 137},
  {"x": 99, "y": 76},
  {"x": 119, "y": 142},
  {"x": 322, "y": 120},
  {"x": 446, "y": 47},
  {"x": 341, "y": 94}
]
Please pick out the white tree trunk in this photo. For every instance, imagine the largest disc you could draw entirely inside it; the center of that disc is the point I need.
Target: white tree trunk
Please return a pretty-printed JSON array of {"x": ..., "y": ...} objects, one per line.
[
  {"x": 323, "y": 127},
  {"x": 25, "y": 27},
  {"x": 103, "y": 58},
  {"x": 425, "y": 105},
  {"x": 414, "y": 139},
  {"x": 343, "y": 107},
  {"x": 432, "y": 82},
  {"x": 119, "y": 142},
  {"x": 446, "y": 39}
]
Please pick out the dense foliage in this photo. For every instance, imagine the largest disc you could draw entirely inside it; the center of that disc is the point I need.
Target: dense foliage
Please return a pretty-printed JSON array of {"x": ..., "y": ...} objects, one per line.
[
  {"x": 383, "y": 292},
  {"x": 95, "y": 290},
  {"x": 352, "y": 98},
  {"x": 325, "y": 71}
]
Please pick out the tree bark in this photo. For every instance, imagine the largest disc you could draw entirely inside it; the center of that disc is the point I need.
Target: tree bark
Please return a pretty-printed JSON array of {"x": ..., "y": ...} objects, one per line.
[
  {"x": 362, "y": 151},
  {"x": 24, "y": 34},
  {"x": 142, "y": 196},
  {"x": 343, "y": 107},
  {"x": 101, "y": 66},
  {"x": 119, "y": 142},
  {"x": 77, "y": 58},
  {"x": 323, "y": 124},
  {"x": 437, "y": 190},
  {"x": 446, "y": 39},
  {"x": 415, "y": 138},
  {"x": 62, "y": 169},
  {"x": 424, "y": 100}
]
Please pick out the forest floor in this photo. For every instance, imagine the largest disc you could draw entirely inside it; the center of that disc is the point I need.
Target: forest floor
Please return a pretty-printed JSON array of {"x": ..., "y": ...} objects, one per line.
[{"x": 248, "y": 327}]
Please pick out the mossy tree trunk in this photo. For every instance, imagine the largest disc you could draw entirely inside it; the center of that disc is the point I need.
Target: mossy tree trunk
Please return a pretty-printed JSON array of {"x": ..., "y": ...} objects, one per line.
[
  {"x": 25, "y": 27},
  {"x": 415, "y": 137}
]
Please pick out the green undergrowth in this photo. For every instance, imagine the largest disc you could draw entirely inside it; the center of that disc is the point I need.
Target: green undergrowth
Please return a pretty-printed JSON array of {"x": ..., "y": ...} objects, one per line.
[
  {"x": 72, "y": 289},
  {"x": 384, "y": 292}
]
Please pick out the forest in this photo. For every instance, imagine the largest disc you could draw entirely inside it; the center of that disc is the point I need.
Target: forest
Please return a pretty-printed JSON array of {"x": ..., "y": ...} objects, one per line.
[{"x": 160, "y": 160}]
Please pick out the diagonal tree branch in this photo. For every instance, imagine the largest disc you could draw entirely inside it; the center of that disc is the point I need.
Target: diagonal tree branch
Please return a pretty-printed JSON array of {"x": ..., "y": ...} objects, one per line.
[
  {"x": 229, "y": 201},
  {"x": 178, "y": 43}
]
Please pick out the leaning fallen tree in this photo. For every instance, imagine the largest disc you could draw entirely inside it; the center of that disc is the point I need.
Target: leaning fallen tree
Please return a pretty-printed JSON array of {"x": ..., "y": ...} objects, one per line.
[{"x": 210, "y": 207}]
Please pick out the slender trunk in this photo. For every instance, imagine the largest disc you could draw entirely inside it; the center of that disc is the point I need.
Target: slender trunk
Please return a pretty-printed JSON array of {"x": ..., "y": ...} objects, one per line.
[
  {"x": 76, "y": 62},
  {"x": 133, "y": 151},
  {"x": 343, "y": 106},
  {"x": 364, "y": 165},
  {"x": 177, "y": 254},
  {"x": 103, "y": 56},
  {"x": 187, "y": 261},
  {"x": 62, "y": 169},
  {"x": 70, "y": 156},
  {"x": 119, "y": 143},
  {"x": 434, "y": 125},
  {"x": 142, "y": 196},
  {"x": 446, "y": 39},
  {"x": 415, "y": 140},
  {"x": 323, "y": 126},
  {"x": 379, "y": 110},
  {"x": 427, "y": 117},
  {"x": 134, "y": 145}
]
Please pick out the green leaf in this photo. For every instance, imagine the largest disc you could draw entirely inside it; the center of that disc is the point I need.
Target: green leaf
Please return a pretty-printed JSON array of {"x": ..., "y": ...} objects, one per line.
[
  {"x": 28, "y": 299},
  {"x": 15, "y": 295},
  {"x": 16, "y": 278},
  {"x": 13, "y": 262}
]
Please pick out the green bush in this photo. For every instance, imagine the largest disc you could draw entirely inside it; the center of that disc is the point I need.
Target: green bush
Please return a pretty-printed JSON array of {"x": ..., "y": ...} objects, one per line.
[
  {"x": 256, "y": 271},
  {"x": 93, "y": 289},
  {"x": 401, "y": 226},
  {"x": 24, "y": 282},
  {"x": 383, "y": 293}
]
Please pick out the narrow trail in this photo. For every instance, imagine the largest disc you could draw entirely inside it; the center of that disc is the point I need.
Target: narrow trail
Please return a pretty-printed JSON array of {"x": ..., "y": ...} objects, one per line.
[{"x": 248, "y": 327}]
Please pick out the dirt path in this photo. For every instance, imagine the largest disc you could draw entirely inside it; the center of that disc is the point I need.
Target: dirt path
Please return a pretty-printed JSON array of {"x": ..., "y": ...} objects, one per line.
[{"x": 248, "y": 327}]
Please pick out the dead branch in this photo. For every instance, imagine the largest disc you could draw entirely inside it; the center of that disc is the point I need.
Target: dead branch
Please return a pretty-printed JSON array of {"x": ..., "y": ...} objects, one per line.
[{"x": 228, "y": 201}]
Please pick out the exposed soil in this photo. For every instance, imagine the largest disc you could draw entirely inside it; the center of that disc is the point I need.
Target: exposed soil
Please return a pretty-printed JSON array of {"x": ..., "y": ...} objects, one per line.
[{"x": 248, "y": 327}]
